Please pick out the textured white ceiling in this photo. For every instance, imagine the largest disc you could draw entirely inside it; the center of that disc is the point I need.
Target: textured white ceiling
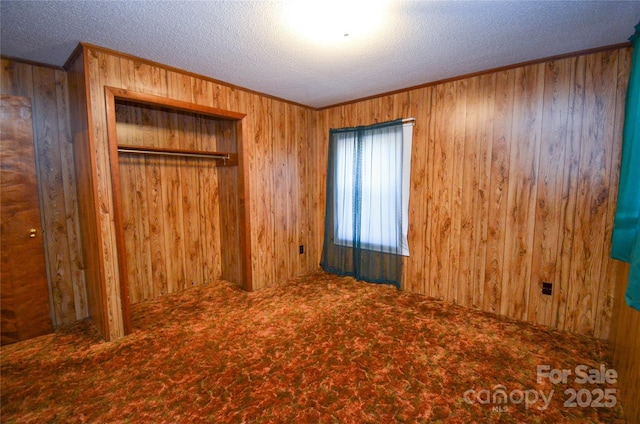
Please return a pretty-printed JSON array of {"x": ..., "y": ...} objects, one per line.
[{"x": 251, "y": 44}]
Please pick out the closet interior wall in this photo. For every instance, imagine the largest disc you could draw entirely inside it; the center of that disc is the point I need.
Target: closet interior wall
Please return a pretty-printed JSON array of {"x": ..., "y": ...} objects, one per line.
[{"x": 179, "y": 213}]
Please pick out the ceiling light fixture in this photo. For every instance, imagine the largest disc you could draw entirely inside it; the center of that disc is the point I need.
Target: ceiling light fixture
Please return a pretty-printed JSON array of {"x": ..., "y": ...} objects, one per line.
[{"x": 330, "y": 21}]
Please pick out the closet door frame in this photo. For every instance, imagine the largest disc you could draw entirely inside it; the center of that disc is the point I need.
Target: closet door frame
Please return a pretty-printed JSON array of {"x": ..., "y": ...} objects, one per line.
[{"x": 111, "y": 95}]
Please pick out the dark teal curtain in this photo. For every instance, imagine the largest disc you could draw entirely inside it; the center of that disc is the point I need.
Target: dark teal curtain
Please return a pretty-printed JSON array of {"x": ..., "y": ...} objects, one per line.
[
  {"x": 364, "y": 223},
  {"x": 625, "y": 244}
]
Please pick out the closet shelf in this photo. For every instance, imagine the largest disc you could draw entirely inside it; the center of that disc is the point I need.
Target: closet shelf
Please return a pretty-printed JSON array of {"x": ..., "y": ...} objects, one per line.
[{"x": 228, "y": 159}]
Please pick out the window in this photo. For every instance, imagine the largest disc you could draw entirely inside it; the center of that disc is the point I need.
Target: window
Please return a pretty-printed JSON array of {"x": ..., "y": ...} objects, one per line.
[
  {"x": 367, "y": 214},
  {"x": 371, "y": 193}
]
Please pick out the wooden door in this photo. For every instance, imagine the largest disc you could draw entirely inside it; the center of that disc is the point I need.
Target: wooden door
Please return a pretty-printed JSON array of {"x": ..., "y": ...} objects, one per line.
[{"x": 24, "y": 296}]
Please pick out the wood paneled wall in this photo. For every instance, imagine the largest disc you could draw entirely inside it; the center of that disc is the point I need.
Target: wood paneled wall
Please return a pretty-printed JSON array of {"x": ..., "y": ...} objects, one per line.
[
  {"x": 514, "y": 179},
  {"x": 282, "y": 175},
  {"x": 175, "y": 232},
  {"x": 513, "y": 182},
  {"x": 625, "y": 344},
  {"x": 47, "y": 88}
]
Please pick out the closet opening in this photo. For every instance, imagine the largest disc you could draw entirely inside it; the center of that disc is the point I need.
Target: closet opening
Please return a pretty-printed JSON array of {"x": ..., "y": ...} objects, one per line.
[{"x": 179, "y": 196}]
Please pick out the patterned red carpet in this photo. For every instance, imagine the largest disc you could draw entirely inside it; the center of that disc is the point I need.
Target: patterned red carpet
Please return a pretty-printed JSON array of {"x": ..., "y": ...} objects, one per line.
[{"x": 315, "y": 349}]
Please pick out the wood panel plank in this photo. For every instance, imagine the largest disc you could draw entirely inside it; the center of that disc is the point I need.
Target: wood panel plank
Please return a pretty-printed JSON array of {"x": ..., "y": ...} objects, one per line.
[
  {"x": 415, "y": 268},
  {"x": 593, "y": 192},
  {"x": 523, "y": 164},
  {"x": 300, "y": 206},
  {"x": 456, "y": 167},
  {"x": 243, "y": 198},
  {"x": 204, "y": 194},
  {"x": 295, "y": 179},
  {"x": 224, "y": 228},
  {"x": 17, "y": 78},
  {"x": 442, "y": 186},
  {"x": 104, "y": 70},
  {"x": 143, "y": 214},
  {"x": 626, "y": 348},
  {"x": 319, "y": 140},
  {"x": 606, "y": 292},
  {"x": 230, "y": 222},
  {"x": 262, "y": 208},
  {"x": 48, "y": 157},
  {"x": 431, "y": 210},
  {"x": 498, "y": 191},
  {"x": 556, "y": 105},
  {"x": 201, "y": 92},
  {"x": 469, "y": 187},
  {"x": 282, "y": 250},
  {"x": 69, "y": 191},
  {"x": 134, "y": 246},
  {"x": 294, "y": 208},
  {"x": 484, "y": 136},
  {"x": 127, "y": 164},
  {"x": 569, "y": 189},
  {"x": 187, "y": 169}
]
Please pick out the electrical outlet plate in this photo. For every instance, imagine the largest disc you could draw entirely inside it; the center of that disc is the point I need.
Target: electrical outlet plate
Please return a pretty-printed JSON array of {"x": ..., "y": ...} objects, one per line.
[{"x": 547, "y": 288}]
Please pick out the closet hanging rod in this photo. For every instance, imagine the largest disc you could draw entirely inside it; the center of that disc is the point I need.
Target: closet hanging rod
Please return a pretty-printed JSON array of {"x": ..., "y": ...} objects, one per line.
[{"x": 173, "y": 152}]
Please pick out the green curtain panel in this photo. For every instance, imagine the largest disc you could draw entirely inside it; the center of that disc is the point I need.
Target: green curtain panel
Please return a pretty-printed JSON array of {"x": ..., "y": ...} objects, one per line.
[{"x": 625, "y": 244}]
